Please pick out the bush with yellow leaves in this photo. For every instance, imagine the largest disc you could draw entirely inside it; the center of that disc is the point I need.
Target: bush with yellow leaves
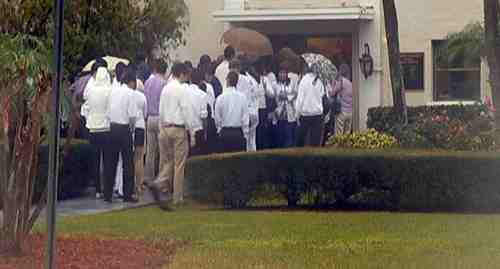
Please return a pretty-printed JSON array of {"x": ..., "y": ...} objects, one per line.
[{"x": 370, "y": 139}]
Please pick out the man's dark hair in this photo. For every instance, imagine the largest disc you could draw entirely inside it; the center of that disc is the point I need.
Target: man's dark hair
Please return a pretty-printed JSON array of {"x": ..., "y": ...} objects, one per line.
[
  {"x": 205, "y": 61},
  {"x": 101, "y": 62},
  {"x": 179, "y": 69},
  {"x": 235, "y": 64},
  {"x": 159, "y": 66},
  {"x": 212, "y": 68},
  {"x": 232, "y": 79},
  {"x": 130, "y": 75},
  {"x": 141, "y": 57},
  {"x": 120, "y": 71},
  {"x": 94, "y": 68},
  {"x": 197, "y": 77},
  {"x": 229, "y": 52},
  {"x": 189, "y": 64}
]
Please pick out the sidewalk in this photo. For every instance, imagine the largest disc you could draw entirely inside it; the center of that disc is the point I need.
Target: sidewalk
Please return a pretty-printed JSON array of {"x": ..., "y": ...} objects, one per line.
[{"x": 90, "y": 205}]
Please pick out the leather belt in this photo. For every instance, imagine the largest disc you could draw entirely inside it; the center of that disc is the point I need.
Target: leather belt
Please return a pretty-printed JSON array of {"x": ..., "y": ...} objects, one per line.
[{"x": 168, "y": 125}]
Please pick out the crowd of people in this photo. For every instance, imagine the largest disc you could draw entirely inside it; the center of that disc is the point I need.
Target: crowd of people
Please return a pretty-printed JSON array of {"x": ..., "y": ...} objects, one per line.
[{"x": 144, "y": 125}]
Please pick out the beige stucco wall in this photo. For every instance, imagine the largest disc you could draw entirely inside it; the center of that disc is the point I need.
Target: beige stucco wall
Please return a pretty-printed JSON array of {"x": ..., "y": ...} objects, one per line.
[
  {"x": 422, "y": 21},
  {"x": 204, "y": 33}
]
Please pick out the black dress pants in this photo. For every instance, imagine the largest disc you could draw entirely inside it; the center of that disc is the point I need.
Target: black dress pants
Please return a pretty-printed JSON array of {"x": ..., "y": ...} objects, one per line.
[
  {"x": 121, "y": 142},
  {"x": 101, "y": 143},
  {"x": 309, "y": 131},
  {"x": 201, "y": 146},
  {"x": 231, "y": 140},
  {"x": 262, "y": 130}
]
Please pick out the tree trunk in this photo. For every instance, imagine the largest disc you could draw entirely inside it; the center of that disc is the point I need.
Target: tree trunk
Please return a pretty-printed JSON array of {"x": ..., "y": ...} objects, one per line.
[
  {"x": 491, "y": 10},
  {"x": 20, "y": 168},
  {"x": 392, "y": 35}
]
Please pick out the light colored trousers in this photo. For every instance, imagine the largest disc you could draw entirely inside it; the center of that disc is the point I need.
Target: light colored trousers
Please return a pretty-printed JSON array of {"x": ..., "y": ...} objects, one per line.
[
  {"x": 174, "y": 150},
  {"x": 152, "y": 149},
  {"x": 343, "y": 123},
  {"x": 252, "y": 133},
  {"x": 119, "y": 176},
  {"x": 139, "y": 170}
]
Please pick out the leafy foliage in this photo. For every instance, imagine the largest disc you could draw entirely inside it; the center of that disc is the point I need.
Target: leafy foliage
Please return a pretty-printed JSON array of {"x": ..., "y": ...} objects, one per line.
[
  {"x": 446, "y": 127},
  {"x": 126, "y": 29},
  {"x": 464, "y": 48},
  {"x": 24, "y": 91},
  {"x": 370, "y": 139}
]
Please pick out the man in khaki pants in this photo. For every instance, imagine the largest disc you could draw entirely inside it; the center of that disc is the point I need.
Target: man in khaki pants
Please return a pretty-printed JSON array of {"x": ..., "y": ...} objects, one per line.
[{"x": 175, "y": 120}]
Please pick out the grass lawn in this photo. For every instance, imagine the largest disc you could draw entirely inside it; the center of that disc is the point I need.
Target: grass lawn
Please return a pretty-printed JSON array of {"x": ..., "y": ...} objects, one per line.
[{"x": 260, "y": 239}]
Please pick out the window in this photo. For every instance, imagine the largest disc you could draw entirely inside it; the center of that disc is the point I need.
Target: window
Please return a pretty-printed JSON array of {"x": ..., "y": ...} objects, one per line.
[
  {"x": 456, "y": 76},
  {"x": 413, "y": 70}
]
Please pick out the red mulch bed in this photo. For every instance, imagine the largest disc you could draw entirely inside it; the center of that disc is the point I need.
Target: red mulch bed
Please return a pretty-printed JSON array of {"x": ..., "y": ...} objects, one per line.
[{"x": 89, "y": 253}]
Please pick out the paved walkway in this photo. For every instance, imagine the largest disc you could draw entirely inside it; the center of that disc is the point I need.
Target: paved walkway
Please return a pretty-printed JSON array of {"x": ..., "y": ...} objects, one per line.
[{"x": 90, "y": 205}]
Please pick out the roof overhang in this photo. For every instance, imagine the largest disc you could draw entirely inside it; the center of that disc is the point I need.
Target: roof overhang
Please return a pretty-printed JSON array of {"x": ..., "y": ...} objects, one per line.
[{"x": 340, "y": 13}]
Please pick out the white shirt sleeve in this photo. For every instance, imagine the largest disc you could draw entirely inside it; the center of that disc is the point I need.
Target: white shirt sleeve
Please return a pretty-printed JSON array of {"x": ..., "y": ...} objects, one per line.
[
  {"x": 162, "y": 104},
  {"x": 186, "y": 111},
  {"x": 292, "y": 89},
  {"x": 203, "y": 107},
  {"x": 300, "y": 98},
  {"x": 85, "y": 109},
  {"x": 132, "y": 107},
  {"x": 219, "y": 103},
  {"x": 145, "y": 106},
  {"x": 245, "y": 121}
]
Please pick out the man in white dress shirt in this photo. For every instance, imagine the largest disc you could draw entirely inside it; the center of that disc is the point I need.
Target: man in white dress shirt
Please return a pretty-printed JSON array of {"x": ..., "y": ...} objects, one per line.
[
  {"x": 223, "y": 69},
  {"x": 309, "y": 108},
  {"x": 248, "y": 86},
  {"x": 232, "y": 117},
  {"x": 200, "y": 101},
  {"x": 122, "y": 114},
  {"x": 175, "y": 120}
]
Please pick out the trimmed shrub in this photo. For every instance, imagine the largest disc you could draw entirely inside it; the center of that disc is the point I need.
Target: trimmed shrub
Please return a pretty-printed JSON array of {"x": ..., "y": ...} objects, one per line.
[
  {"x": 75, "y": 174},
  {"x": 455, "y": 127},
  {"x": 388, "y": 180},
  {"x": 370, "y": 139}
]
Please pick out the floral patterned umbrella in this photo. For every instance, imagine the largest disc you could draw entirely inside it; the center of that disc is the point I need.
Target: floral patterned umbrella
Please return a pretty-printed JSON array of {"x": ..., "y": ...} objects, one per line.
[{"x": 321, "y": 66}]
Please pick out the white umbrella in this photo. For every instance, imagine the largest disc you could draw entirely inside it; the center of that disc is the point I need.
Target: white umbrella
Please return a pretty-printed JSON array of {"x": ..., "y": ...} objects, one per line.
[{"x": 110, "y": 60}]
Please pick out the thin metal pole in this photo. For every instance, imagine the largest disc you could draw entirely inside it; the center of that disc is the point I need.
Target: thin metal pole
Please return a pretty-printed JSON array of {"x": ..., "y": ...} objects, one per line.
[{"x": 54, "y": 137}]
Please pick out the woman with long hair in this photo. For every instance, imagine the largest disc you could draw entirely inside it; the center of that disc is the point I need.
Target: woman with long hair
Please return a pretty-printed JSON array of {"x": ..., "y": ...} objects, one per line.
[{"x": 286, "y": 94}]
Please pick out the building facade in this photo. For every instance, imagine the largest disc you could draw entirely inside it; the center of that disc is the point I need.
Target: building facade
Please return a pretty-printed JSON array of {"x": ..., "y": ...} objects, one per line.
[{"x": 342, "y": 30}]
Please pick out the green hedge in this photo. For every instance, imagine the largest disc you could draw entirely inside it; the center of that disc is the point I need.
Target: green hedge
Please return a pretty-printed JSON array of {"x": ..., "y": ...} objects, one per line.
[
  {"x": 388, "y": 180},
  {"x": 76, "y": 170},
  {"x": 75, "y": 173}
]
